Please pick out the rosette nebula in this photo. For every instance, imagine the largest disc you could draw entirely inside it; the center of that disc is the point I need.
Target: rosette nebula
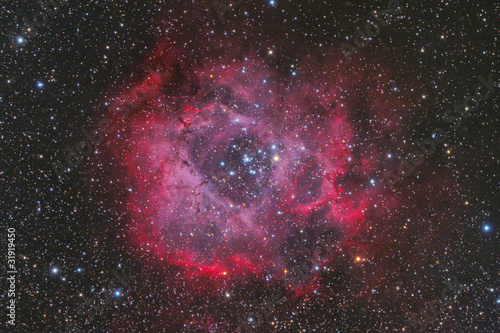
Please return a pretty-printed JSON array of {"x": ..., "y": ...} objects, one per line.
[{"x": 236, "y": 168}]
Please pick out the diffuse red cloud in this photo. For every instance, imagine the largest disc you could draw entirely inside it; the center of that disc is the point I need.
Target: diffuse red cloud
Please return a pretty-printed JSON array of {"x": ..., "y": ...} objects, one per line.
[{"x": 234, "y": 169}]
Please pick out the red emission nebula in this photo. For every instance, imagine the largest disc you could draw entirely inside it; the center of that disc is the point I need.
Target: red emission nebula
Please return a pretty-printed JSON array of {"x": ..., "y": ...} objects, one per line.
[{"x": 236, "y": 166}]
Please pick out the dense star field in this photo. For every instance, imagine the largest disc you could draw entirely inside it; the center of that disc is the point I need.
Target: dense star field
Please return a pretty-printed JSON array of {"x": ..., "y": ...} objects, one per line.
[{"x": 251, "y": 166}]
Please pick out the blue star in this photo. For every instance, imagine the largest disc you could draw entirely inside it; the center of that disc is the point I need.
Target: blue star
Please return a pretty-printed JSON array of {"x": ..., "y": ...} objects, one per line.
[{"x": 486, "y": 228}]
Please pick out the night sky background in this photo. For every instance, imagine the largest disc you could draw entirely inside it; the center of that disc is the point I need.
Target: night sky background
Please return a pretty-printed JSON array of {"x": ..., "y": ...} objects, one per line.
[{"x": 255, "y": 143}]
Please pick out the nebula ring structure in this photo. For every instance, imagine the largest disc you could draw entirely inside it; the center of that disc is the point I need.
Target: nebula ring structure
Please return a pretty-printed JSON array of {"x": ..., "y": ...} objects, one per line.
[{"x": 235, "y": 169}]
